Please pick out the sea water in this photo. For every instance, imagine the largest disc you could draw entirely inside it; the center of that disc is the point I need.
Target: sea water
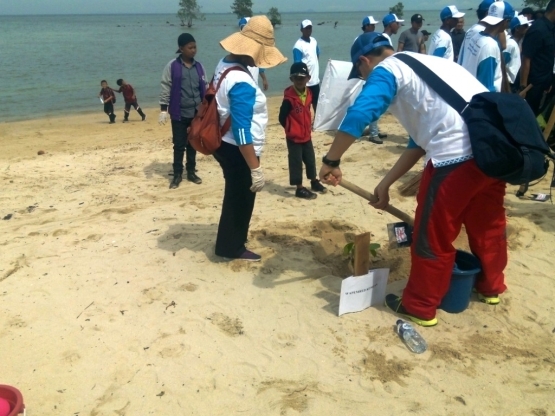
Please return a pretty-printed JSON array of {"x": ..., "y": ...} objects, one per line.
[{"x": 52, "y": 65}]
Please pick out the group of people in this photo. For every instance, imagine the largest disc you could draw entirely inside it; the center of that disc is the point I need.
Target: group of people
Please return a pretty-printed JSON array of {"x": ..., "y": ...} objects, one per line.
[
  {"x": 453, "y": 190},
  {"x": 108, "y": 98}
]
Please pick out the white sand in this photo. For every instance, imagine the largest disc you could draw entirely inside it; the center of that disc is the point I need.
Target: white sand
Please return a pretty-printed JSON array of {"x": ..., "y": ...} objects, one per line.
[{"x": 113, "y": 303}]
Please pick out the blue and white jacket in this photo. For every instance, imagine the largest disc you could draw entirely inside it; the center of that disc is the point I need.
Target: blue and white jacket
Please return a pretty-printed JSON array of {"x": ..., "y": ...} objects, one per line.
[{"x": 240, "y": 98}]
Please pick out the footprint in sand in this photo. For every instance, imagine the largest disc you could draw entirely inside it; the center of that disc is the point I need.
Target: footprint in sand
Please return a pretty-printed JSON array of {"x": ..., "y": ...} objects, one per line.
[{"x": 231, "y": 327}]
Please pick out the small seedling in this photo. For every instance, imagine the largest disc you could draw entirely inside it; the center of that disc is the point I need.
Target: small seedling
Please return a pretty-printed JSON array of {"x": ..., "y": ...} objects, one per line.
[{"x": 349, "y": 249}]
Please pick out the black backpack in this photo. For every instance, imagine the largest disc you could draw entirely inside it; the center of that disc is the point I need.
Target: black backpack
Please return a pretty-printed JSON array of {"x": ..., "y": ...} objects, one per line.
[{"x": 506, "y": 141}]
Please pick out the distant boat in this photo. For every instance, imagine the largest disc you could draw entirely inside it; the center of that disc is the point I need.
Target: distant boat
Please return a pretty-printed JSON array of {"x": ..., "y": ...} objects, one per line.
[{"x": 471, "y": 8}]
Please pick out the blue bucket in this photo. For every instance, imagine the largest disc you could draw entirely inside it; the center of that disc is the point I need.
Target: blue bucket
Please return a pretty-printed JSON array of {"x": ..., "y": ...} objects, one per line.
[{"x": 457, "y": 298}]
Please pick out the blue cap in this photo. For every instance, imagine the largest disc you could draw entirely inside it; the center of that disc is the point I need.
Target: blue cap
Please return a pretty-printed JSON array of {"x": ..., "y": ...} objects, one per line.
[
  {"x": 450, "y": 12},
  {"x": 364, "y": 44},
  {"x": 519, "y": 21},
  {"x": 243, "y": 21},
  {"x": 391, "y": 18},
  {"x": 499, "y": 11},
  {"x": 484, "y": 6},
  {"x": 369, "y": 20}
]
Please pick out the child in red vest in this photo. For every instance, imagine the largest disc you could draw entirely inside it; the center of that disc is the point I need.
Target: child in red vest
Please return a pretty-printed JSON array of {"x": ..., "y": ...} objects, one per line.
[
  {"x": 295, "y": 117},
  {"x": 108, "y": 99},
  {"x": 130, "y": 99}
]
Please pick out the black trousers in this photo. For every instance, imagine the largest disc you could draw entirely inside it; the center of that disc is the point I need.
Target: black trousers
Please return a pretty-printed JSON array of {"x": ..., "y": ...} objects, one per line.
[
  {"x": 534, "y": 97},
  {"x": 109, "y": 107},
  {"x": 238, "y": 202},
  {"x": 300, "y": 153},
  {"x": 128, "y": 106},
  {"x": 315, "y": 89},
  {"x": 181, "y": 145}
]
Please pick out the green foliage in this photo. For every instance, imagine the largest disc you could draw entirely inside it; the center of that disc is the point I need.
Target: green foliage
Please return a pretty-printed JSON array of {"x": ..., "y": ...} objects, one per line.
[
  {"x": 349, "y": 249},
  {"x": 188, "y": 11},
  {"x": 242, "y": 8},
  {"x": 398, "y": 9},
  {"x": 274, "y": 15},
  {"x": 536, "y": 4}
]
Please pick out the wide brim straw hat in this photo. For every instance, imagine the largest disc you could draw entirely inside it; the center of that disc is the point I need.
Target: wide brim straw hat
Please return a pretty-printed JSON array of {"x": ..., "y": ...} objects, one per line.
[{"x": 257, "y": 41}]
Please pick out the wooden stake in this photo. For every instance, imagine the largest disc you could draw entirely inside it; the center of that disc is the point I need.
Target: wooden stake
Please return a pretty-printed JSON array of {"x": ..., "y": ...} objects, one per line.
[
  {"x": 362, "y": 254},
  {"x": 550, "y": 124}
]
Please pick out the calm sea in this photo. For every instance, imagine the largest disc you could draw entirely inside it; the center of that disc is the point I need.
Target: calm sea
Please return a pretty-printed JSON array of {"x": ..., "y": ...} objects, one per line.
[{"x": 53, "y": 65}]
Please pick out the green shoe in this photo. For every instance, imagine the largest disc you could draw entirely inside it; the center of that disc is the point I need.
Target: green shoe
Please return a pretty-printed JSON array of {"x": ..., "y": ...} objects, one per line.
[{"x": 393, "y": 302}]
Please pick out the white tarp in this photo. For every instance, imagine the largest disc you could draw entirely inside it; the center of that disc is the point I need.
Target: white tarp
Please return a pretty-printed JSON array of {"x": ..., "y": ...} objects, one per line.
[
  {"x": 336, "y": 95},
  {"x": 361, "y": 292}
]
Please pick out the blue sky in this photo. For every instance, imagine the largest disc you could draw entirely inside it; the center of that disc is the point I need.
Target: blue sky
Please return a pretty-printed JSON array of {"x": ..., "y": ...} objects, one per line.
[{"x": 8, "y": 7}]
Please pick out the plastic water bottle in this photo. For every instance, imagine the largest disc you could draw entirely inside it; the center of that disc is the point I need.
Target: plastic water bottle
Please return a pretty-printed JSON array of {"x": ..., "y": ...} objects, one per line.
[{"x": 412, "y": 339}]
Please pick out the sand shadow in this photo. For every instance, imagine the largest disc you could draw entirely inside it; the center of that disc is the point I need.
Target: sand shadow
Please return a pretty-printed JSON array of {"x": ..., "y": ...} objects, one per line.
[
  {"x": 165, "y": 170},
  {"x": 193, "y": 237},
  {"x": 278, "y": 189}
]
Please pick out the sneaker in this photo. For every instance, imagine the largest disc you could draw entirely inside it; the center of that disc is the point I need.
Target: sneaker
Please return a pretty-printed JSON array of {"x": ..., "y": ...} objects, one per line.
[
  {"x": 316, "y": 186},
  {"x": 144, "y": 117},
  {"x": 393, "y": 302},
  {"x": 192, "y": 177},
  {"x": 177, "y": 178},
  {"x": 375, "y": 139},
  {"x": 489, "y": 300},
  {"x": 305, "y": 194},
  {"x": 247, "y": 256},
  {"x": 382, "y": 135},
  {"x": 124, "y": 120}
]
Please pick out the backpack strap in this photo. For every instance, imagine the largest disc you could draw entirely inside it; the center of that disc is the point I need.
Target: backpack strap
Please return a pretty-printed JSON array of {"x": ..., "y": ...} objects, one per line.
[
  {"x": 227, "y": 123},
  {"x": 449, "y": 95}
]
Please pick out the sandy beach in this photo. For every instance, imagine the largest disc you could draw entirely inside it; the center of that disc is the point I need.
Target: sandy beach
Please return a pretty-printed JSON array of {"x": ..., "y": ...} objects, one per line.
[{"x": 112, "y": 301}]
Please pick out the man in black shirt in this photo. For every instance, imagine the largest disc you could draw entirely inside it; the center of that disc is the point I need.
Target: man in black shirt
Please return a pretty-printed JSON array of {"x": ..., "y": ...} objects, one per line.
[
  {"x": 457, "y": 35},
  {"x": 538, "y": 56}
]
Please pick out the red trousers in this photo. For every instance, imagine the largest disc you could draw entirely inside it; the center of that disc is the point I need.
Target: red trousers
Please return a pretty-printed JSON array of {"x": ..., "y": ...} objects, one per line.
[{"x": 448, "y": 197}]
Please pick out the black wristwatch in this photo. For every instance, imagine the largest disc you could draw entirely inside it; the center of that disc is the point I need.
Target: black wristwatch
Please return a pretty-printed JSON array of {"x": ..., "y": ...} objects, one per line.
[{"x": 330, "y": 163}]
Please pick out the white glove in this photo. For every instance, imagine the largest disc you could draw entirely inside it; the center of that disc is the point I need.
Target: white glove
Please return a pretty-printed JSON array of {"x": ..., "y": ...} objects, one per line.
[
  {"x": 257, "y": 179},
  {"x": 163, "y": 117}
]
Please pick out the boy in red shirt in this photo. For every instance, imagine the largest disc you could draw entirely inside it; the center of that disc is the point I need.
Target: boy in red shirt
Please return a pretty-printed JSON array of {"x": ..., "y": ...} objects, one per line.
[
  {"x": 295, "y": 117},
  {"x": 130, "y": 99},
  {"x": 108, "y": 99}
]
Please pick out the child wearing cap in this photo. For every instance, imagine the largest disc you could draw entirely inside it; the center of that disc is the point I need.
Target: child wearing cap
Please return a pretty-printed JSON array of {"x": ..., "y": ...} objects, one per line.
[
  {"x": 255, "y": 71},
  {"x": 130, "y": 99},
  {"x": 519, "y": 25},
  {"x": 442, "y": 44},
  {"x": 306, "y": 50},
  {"x": 295, "y": 117},
  {"x": 481, "y": 55},
  {"x": 108, "y": 99},
  {"x": 183, "y": 88}
]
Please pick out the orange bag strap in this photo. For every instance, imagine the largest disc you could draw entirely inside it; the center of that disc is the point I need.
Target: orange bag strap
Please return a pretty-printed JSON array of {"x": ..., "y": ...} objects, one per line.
[{"x": 227, "y": 124}]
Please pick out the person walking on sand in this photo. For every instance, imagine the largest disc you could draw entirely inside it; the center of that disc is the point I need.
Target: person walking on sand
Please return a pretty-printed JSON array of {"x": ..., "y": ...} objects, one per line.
[
  {"x": 240, "y": 99},
  {"x": 130, "y": 99},
  {"x": 295, "y": 118},
  {"x": 453, "y": 190},
  {"x": 306, "y": 50},
  {"x": 108, "y": 99},
  {"x": 255, "y": 71},
  {"x": 183, "y": 88},
  {"x": 441, "y": 44}
]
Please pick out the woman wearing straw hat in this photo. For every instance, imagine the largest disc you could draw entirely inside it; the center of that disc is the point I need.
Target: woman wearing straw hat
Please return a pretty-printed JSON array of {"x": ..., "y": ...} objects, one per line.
[{"x": 240, "y": 98}]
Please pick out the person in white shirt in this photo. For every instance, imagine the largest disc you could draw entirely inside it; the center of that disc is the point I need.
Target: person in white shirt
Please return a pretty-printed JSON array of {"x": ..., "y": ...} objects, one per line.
[
  {"x": 242, "y": 102},
  {"x": 306, "y": 50},
  {"x": 255, "y": 71},
  {"x": 481, "y": 55},
  {"x": 441, "y": 44},
  {"x": 519, "y": 25},
  {"x": 453, "y": 190},
  {"x": 369, "y": 24},
  {"x": 391, "y": 24}
]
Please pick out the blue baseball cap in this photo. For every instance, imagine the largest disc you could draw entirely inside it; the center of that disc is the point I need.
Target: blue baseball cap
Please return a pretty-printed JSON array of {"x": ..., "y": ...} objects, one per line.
[
  {"x": 364, "y": 44},
  {"x": 497, "y": 12},
  {"x": 243, "y": 21},
  {"x": 484, "y": 6},
  {"x": 391, "y": 18},
  {"x": 369, "y": 20},
  {"x": 450, "y": 12},
  {"x": 520, "y": 21}
]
